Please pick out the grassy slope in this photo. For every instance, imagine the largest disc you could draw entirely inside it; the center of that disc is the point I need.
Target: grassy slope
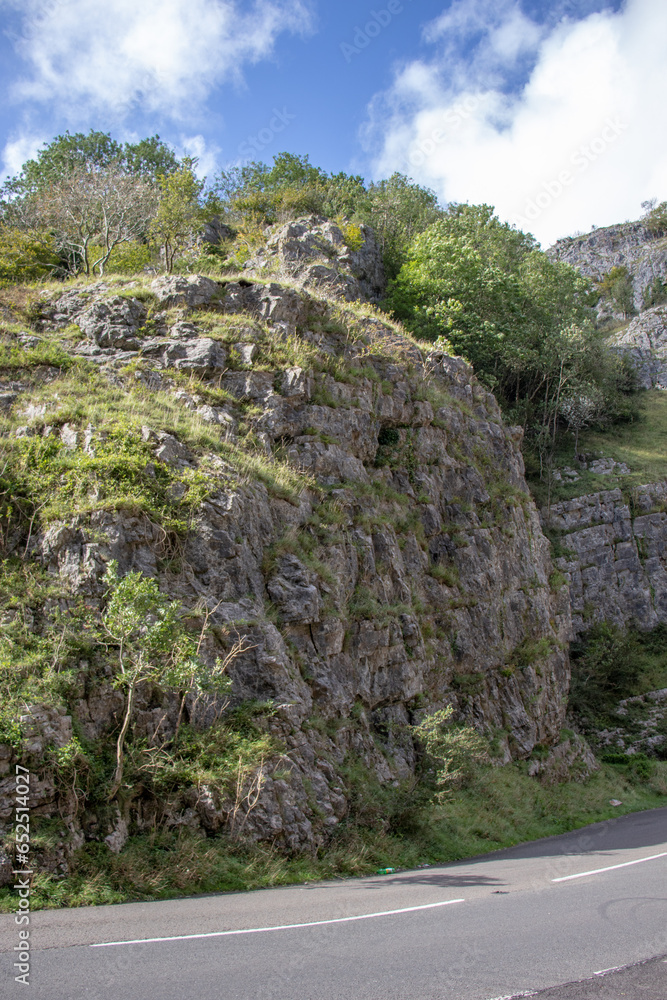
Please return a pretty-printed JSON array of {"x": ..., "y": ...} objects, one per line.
[{"x": 642, "y": 445}]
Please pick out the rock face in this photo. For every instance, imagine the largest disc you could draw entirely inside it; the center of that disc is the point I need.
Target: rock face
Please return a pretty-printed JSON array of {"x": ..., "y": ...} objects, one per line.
[
  {"x": 628, "y": 245},
  {"x": 645, "y": 341},
  {"x": 617, "y": 566},
  {"x": 314, "y": 251},
  {"x": 631, "y": 245},
  {"x": 406, "y": 570}
]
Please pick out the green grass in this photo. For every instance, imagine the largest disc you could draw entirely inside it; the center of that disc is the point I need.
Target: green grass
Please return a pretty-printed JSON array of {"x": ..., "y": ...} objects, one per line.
[
  {"x": 641, "y": 444},
  {"x": 499, "y": 808}
]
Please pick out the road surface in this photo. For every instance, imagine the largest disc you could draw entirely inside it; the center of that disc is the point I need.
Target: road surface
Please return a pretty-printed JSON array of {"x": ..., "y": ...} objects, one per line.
[{"x": 513, "y": 922}]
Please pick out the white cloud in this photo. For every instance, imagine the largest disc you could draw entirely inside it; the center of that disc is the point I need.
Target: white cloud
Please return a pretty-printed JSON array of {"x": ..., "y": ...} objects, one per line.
[
  {"x": 17, "y": 151},
  {"x": 160, "y": 56},
  {"x": 206, "y": 154},
  {"x": 581, "y": 143}
]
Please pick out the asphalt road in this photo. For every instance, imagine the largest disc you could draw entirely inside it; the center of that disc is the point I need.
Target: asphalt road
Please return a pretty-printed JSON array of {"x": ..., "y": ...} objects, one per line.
[{"x": 509, "y": 923}]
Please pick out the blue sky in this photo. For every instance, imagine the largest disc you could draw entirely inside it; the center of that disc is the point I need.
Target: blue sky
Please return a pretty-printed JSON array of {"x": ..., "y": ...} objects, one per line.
[{"x": 483, "y": 100}]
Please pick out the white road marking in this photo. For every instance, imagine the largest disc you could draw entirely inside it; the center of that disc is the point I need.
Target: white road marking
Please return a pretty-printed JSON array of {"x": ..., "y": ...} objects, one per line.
[
  {"x": 598, "y": 871},
  {"x": 515, "y": 996},
  {"x": 281, "y": 927}
]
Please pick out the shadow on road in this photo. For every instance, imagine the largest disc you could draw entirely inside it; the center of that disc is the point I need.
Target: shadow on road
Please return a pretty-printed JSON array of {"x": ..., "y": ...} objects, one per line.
[{"x": 635, "y": 830}]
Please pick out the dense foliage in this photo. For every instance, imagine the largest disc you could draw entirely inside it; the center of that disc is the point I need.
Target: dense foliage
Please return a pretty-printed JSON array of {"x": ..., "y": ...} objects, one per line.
[
  {"x": 396, "y": 209},
  {"x": 56, "y": 195},
  {"x": 655, "y": 217},
  {"x": 523, "y": 320}
]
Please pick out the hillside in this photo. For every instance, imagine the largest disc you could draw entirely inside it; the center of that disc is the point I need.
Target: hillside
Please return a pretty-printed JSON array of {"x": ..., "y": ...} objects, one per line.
[{"x": 333, "y": 520}]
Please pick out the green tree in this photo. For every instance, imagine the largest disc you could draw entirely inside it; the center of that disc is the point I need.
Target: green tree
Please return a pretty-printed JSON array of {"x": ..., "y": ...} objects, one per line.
[
  {"x": 450, "y": 751},
  {"x": 151, "y": 643},
  {"x": 94, "y": 150},
  {"x": 655, "y": 216},
  {"x": 521, "y": 319},
  {"x": 397, "y": 210},
  {"x": 617, "y": 285},
  {"x": 179, "y": 215}
]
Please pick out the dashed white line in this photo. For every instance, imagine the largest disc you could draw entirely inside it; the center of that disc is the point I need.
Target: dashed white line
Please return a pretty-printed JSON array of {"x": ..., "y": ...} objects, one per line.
[
  {"x": 611, "y": 868},
  {"x": 281, "y": 927}
]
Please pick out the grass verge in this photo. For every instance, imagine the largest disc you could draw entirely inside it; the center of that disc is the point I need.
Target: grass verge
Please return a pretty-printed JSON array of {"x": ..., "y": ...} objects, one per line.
[{"x": 499, "y": 807}]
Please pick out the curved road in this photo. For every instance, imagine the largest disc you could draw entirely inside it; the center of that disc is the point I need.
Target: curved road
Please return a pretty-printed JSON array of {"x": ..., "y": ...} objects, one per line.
[{"x": 509, "y": 923}]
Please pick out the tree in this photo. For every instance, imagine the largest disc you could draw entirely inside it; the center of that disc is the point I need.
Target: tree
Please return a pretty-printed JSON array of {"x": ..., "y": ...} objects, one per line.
[
  {"x": 86, "y": 206},
  {"x": 450, "y": 752},
  {"x": 580, "y": 407},
  {"x": 617, "y": 284},
  {"x": 521, "y": 319},
  {"x": 147, "y": 158},
  {"x": 61, "y": 156},
  {"x": 147, "y": 632},
  {"x": 179, "y": 213},
  {"x": 397, "y": 210},
  {"x": 655, "y": 216}
]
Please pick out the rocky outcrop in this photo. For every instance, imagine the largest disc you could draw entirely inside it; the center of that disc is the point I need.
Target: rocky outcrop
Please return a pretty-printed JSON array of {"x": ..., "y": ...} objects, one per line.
[
  {"x": 571, "y": 760},
  {"x": 316, "y": 252},
  {"x": 365, "y": 530},
  {"x": 616, "y": 561},
  {"x": 628, "y": 245},
  {"x": 645, "y": 343}
]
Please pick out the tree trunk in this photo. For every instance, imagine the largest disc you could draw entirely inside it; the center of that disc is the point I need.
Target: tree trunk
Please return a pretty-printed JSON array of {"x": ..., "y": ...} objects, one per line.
[{"x": 120, "y": 756}]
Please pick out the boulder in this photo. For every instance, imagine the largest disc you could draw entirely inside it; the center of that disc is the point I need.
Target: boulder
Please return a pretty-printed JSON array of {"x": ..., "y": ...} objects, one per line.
[
  {"x": 187, "y": 291},
  {"x": 113, "y": 322}
]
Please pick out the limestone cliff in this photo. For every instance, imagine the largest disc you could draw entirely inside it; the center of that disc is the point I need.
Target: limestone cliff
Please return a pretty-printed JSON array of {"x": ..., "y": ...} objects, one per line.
[
  {"x": 630, "y": 245},
  {"x": 356, "y": 513},
  {"x": 616, "y": 555}
]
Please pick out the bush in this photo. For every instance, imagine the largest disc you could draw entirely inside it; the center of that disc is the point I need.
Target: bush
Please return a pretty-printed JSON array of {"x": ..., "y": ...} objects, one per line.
[
  {"x": 655, "y": 219},
  {"x": 606, "y": 668},
  {"x": 126, "y": 258},
  {"x": 26, "y": 255},
  {"x": 451, "y": 752},
  {"x": 522, "y": 320},
  {"x": 655, "y": 293},
  {"x": 617, "y": 285}
]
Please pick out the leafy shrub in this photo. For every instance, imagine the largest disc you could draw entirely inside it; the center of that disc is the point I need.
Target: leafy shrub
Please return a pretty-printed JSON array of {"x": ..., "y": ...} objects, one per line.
[
  {"x": 11, "y": 730},
  {"x": 617, "y": 285},
  {"x": 655, "y": 293},
  {"x": 607, "y": 666},
  {"x": 352, "y": 233},
  {"x": 26, "y": 255},
  {"x": 655, "y": 219},
  {"x": 126, "y": 258}
]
